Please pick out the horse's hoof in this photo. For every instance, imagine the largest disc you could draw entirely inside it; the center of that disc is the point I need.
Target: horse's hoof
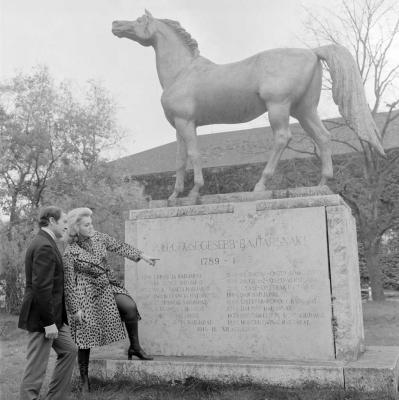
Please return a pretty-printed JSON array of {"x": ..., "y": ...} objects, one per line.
[
  {"x": 259, "y": 187},
  {"x": 193, "y": 195},
  {"x": 323, "y": 182},
  {"x": 173, "y": 196}
]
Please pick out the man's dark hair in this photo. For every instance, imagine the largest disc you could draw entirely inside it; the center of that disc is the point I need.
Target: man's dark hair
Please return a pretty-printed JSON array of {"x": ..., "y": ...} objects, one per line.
[{"x": 46, "y": 213}]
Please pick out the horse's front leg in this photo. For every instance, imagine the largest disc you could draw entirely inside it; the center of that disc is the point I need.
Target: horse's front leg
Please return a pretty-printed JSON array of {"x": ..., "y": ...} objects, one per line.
[
  {"x": 181, "y": 163},
  {"x": 187, "y": 130}
]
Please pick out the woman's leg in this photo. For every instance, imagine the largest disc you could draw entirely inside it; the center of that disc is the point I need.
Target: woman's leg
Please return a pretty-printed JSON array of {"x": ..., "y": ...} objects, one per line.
[
  {"x": 126, "y": 306},
  {"x": 128, "y": 311},
  {"x": 83, "y": 361}
]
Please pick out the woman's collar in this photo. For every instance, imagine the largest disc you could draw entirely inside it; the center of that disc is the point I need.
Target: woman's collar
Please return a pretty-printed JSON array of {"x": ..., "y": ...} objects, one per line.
[{"x": 82, "y": 239}]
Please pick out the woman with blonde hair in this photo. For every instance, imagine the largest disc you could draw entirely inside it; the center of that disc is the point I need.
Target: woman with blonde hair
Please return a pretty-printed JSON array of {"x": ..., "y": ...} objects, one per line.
[{"x": 96, "y": 301}]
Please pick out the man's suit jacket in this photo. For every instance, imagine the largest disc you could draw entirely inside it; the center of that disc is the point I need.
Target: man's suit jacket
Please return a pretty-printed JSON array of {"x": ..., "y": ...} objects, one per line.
[{"x": 43, "y": 303}]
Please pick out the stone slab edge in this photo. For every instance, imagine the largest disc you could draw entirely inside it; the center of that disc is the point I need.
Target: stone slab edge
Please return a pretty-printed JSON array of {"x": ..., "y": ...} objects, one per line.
[
  {"x": 346, "y": 296},
  {"x": 228, "y": 207},
  {"x": 243, "y": 196}
]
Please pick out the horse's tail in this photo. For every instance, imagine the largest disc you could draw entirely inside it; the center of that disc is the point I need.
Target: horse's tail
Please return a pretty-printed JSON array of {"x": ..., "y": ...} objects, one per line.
[{"x": 348, "y": 93}]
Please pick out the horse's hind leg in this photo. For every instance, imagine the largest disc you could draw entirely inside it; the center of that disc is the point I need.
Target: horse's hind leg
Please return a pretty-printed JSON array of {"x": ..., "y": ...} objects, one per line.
[
  {"x": 310, "y": 122},
  {"x": 306, "y": 113},
  {"x": 279, "y": 122}
]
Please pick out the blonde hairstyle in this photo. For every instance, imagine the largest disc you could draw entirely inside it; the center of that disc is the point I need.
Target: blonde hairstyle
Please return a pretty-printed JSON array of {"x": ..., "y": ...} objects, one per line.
[{"x": 74, "y": 217}]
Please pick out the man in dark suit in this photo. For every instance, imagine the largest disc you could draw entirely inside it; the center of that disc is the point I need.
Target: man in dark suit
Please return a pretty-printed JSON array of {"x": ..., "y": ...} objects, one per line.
[{"x": 43, "y": 312}]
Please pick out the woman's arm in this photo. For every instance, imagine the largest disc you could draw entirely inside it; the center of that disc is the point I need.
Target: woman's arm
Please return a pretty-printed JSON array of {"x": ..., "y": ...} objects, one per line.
[
  {"x": 121, "y": 248},
  {"x": 71, "y": 297},
  {"x": 126, "y": 250}
]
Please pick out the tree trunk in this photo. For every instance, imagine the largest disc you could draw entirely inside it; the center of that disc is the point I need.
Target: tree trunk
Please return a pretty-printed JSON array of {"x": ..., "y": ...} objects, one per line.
[
  {"x": 13, "y": 216},
  {"x": 375, "y": 273}
]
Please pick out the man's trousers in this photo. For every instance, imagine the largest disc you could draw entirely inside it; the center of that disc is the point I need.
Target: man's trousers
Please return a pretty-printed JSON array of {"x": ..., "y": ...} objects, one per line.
[{"x": 38, "y": 352}]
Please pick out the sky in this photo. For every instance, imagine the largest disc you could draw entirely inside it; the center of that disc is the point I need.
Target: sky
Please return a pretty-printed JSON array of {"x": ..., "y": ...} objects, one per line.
[{"x": 73, "y": 38}]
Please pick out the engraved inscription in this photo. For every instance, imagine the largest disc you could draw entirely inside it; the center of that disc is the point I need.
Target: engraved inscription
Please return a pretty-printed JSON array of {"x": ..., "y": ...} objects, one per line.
[
  {"x": 269, "y": 298},
  {"x": 258, "y": 241},
  {"x": 252, "y": 299}
]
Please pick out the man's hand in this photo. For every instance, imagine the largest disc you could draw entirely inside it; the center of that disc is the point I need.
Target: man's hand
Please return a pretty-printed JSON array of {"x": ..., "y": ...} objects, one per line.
[
  {"x": 79, "y": 316},
  {"x": 51, "y": 332},
  {"x": 149, "y": 260}
]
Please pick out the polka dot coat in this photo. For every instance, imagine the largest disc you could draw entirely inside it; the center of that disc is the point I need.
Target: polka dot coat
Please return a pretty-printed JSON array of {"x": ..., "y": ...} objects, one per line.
[{"x": 90, "y": 286}]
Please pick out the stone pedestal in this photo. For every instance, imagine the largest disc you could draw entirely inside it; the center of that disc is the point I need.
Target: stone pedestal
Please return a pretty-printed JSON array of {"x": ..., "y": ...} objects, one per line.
[{"x": 249, "y": 275}]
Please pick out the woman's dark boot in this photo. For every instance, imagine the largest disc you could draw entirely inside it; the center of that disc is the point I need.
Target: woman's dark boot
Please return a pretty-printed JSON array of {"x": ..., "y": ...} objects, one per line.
[
  {"x": 83, "y": 361},
  {"x": 135, "y": 349}
]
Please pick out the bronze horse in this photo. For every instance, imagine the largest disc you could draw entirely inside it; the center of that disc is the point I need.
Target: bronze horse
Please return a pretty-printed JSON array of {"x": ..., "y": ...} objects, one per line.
[{"x": 282, "y": 82}]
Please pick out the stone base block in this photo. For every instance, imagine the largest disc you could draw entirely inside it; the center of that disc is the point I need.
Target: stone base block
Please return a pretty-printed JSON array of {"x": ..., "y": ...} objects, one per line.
[
  {"x": 377, "y": 370},
  {"x": 225, "y": 370}
]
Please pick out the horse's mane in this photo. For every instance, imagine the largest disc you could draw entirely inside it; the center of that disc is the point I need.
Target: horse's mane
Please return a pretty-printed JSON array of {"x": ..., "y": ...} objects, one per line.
[{"x": 191, "y": 43}]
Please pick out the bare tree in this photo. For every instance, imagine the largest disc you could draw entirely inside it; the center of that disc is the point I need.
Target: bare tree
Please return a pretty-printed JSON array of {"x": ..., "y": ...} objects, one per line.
[{"x": 370, "y": 29}]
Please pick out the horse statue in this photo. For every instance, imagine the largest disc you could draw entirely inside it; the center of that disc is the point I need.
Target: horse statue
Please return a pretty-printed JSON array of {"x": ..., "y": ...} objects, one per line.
[{"x": 283, "y": 82}]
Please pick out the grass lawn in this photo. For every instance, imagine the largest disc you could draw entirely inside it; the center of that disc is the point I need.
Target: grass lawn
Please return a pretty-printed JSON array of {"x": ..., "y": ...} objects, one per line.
[{"x": 381, "y": 321}]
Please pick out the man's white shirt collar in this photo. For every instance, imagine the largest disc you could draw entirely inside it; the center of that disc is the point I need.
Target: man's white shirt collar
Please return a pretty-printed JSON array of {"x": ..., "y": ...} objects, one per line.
[{"x": 49, "y": 231}]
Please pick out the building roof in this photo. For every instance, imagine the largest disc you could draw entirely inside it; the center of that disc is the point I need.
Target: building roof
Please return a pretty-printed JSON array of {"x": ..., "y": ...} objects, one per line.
[{"x": 248, "y": 146}]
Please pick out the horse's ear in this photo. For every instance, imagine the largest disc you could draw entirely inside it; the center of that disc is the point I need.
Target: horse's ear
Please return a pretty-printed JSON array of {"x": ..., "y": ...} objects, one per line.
[{"x": 148, "y": 14}]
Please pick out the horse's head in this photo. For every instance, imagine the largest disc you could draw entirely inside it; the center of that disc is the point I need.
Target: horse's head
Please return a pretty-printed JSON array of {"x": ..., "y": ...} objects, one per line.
[{"x": 141, "y": 30}]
